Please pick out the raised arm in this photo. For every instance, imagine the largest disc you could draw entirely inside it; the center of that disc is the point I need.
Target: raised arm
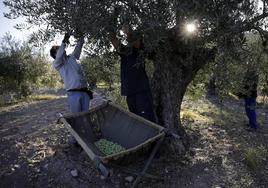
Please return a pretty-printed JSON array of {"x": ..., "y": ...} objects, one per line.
[
  {"x": 58, "y": 62},
  {"x": 59, "y": 56},
  {"x": 78, "y": 48},
  {"x": 114, "y": 41}
]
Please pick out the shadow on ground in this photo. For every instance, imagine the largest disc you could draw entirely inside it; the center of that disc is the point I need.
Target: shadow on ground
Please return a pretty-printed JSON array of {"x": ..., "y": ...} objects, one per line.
[{"x": 34, "y": 152}]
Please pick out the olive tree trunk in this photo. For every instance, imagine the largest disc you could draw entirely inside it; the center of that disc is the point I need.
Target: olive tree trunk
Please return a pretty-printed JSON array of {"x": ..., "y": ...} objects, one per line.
[{"x": 174, "y": 69}]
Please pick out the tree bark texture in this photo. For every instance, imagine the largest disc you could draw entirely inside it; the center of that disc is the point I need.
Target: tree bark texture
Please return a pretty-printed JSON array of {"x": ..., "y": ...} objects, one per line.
[{"x": 176, "y": 65}]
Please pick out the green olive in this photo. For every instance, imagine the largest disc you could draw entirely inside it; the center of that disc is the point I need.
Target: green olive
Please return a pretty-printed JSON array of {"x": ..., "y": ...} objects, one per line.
[{"x": 107, "y": 147}]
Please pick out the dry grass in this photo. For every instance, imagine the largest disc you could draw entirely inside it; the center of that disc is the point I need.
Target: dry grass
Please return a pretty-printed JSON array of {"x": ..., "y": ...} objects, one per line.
[
  {"x": 205, "y": 112},
  {"x": 253, "y": 157},
  {"x": 191, "y": 116},
  {"x": 262, "y": 99},
  {"x": 102, "y": 85},
  {"x": 43, "y": 97},
  {"x": 27, "y": 101}
]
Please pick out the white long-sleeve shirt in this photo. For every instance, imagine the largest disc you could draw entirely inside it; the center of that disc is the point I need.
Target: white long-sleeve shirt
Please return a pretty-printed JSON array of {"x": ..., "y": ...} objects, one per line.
[{"x": 70, "y": 71}]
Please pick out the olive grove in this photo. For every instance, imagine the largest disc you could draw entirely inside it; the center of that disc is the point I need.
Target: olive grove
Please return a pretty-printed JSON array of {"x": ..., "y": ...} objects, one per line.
[
  {"x": 22, "y": 70},
  {"x": 179, "y": 54}
]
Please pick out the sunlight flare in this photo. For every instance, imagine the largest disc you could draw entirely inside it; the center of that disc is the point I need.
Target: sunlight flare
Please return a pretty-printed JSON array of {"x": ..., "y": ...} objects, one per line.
[{"x": 190, "y": 27}]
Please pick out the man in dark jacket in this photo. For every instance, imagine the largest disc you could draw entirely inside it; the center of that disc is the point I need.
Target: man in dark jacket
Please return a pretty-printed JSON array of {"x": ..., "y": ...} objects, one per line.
[
  {"x": 134, "y": 80},
  {"x": 250, "y": 94}
]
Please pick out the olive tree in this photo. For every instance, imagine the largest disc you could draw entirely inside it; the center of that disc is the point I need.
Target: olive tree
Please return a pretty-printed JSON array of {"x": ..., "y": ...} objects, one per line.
[
  {"x": 256, "y": 56},
  {"x": 179, "y": 53},
  {"x": 21, "y": 69},
  {"x": 251, "y": 56}
]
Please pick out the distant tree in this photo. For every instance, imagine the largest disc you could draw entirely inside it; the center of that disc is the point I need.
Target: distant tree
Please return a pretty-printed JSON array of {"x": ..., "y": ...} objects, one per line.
[
  {"x": 229, "y": 70},
  {"x": 180, "y": 53},
  {"x": 101, "y": 69},
  {"x": 257, "y": 56},
  {"x": 21, "y": 70}
]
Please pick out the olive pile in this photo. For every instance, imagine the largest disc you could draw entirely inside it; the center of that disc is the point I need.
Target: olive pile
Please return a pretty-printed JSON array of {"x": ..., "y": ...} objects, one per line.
[{"x": 108, "y": 147}]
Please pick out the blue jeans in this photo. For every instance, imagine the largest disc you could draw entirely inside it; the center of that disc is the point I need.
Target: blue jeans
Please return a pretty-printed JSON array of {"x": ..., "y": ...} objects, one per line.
[
  {"x": 78, "y": 101},
  {"x": 250, "y": 107}
]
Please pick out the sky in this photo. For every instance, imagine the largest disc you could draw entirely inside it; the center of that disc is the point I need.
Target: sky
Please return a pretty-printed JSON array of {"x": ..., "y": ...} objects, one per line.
[{"x": 7, "y": 25}]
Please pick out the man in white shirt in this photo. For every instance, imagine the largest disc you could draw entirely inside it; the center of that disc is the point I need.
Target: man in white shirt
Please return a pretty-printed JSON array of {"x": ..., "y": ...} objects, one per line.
[{"x": 72, "y": 76}]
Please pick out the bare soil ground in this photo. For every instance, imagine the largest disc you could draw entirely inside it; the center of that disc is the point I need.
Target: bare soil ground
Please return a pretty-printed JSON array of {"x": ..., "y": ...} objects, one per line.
[{"x": 34, "y": 153}]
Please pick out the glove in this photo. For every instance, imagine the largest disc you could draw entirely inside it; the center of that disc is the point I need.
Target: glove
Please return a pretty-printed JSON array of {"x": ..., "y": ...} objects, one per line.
[
  {"x": 66, "y": 38},
  {"x": 111, "y": 35}
]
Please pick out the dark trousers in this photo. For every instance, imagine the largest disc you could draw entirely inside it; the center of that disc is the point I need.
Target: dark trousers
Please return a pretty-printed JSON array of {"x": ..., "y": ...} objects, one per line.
[
  {"x": 250, "y": 107},
  {"x": 142, "y": 105}
]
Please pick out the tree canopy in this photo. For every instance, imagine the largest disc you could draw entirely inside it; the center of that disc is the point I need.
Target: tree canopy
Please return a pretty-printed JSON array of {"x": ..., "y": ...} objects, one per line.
[{"x": 217, "y": 20}]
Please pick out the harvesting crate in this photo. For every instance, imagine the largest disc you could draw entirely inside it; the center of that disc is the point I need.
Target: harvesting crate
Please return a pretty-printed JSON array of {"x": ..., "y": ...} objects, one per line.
[{"x": 111, "y": 122}]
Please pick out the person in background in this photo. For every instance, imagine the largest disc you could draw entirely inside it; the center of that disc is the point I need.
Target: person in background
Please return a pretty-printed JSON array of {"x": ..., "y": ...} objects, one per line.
[
  {"x": 134, "y": 80},
  {"x": 72, "y": 75},
  {"x": 250, "y": 94}
]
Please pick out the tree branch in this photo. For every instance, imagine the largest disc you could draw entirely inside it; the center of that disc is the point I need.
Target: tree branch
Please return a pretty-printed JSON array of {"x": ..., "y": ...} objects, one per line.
[{"x": 258, "y": 18}]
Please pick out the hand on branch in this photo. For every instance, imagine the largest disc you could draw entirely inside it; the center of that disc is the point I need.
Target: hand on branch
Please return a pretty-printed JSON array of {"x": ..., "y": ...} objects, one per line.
[
  {"x": 126, "y": 29},
  {"x": 78, "y": 33},
  {"x": 111, "y": 35},
  {"x": 66, "y": 38},
  {"x": 113, "y": 39}
]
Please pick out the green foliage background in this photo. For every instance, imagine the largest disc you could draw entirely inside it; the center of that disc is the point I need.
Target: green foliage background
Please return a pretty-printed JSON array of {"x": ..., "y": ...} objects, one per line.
[{"x": 22, "y": 70}]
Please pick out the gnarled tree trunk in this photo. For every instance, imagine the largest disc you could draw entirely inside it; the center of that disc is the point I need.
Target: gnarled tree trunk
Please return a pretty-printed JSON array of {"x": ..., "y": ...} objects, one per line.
[{"x": 175, "y": 67}]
